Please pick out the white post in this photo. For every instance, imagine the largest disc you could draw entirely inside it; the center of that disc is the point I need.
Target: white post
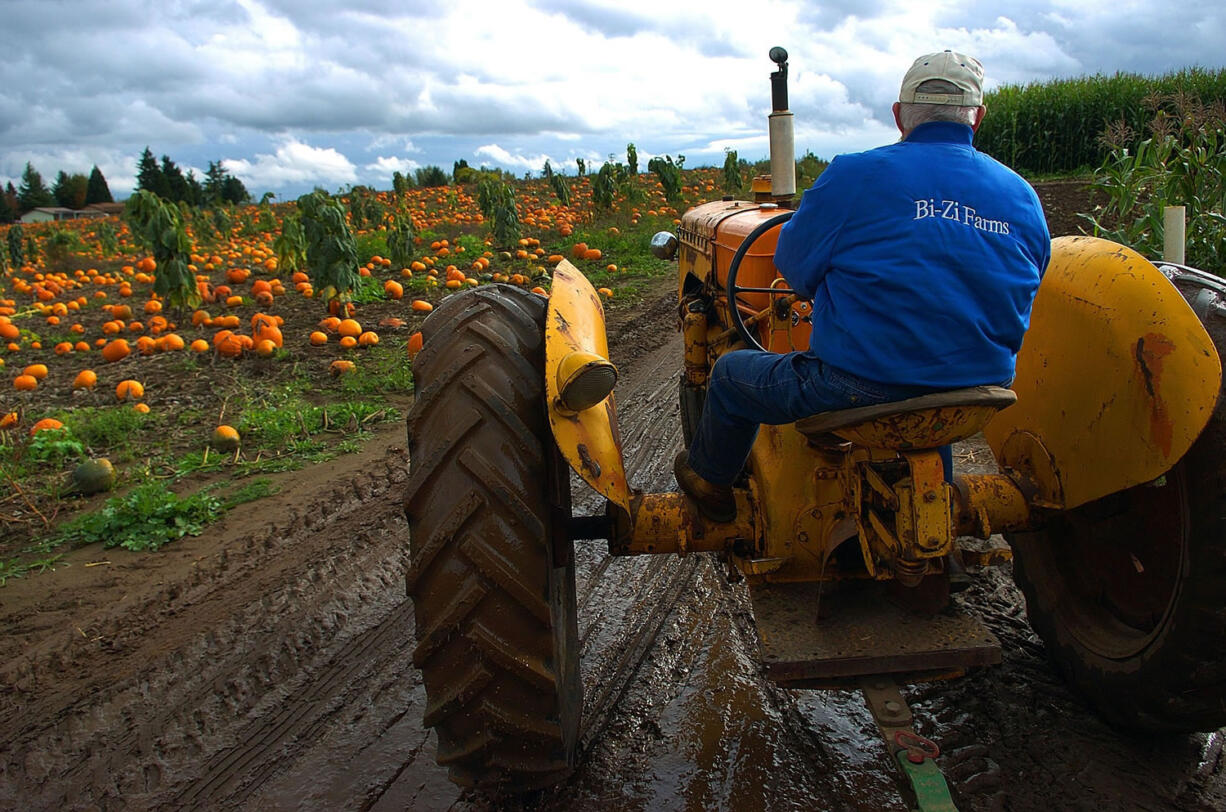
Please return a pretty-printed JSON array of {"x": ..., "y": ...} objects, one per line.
[{"x": 1173, "y": 234}]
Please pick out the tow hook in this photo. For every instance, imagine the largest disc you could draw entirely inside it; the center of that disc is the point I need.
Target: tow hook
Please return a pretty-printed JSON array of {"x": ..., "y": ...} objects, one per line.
[{"x": 914, "y": 754}]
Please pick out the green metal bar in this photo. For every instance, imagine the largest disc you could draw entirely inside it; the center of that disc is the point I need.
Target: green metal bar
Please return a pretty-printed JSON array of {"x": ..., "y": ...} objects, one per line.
[{"x": 931, "y": 791}]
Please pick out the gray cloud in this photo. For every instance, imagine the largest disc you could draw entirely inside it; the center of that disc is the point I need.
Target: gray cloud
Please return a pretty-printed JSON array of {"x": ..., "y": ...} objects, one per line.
[{"x": 285, "y": 88}]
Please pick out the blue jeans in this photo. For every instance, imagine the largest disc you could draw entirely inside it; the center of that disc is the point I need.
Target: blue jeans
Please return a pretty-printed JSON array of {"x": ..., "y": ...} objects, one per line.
[{"x": 748, "y": 388}]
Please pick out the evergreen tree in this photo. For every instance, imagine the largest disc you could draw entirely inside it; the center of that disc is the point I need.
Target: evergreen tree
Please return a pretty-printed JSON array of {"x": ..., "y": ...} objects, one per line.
[
  {"x": 176, "y": 185},
  {"x": 461, "y": 172},
  {"x": 398, "y": 184},
  {"x": 69, "y": 190},
  {"x": 222, "y": 187},
  {"x": 8, "y": 212},
  {"x": 96, "y": 190},
  {"x": 10, "y": 201},
  {"x": 33, "y": 192},
  {"x": 632, "y": 158},
  {"x": 195, "y": 190},
  {"x": 214, "y": 180},
  {"x": 233, "y": 191},
  {"x": 149, "y": 177},
  {"x": 428, "y": 176}
]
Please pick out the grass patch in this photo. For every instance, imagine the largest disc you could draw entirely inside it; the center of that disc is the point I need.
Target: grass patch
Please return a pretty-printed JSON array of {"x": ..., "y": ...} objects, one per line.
[{"x": 147, "y": 517}]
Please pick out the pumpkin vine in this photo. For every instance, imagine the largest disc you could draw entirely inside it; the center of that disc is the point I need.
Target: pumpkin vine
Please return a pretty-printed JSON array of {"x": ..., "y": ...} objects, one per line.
[
  {"x": 331, "y": 252},
  {"x": 158, "y": 227}
]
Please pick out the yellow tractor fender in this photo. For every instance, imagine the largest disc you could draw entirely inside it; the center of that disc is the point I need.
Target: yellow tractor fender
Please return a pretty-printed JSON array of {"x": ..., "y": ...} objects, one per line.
[
  {"x": 578, "y": 384},
  {"x": 1115, "y": 379}
]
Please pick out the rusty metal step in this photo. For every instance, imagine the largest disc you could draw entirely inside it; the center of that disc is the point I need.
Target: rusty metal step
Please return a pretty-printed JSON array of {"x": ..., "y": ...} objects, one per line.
[{"x": 862, "y": 632}]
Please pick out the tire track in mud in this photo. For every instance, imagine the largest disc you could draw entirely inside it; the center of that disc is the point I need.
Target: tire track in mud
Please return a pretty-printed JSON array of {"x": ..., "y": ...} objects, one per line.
[{"x": 151, "y": 715}]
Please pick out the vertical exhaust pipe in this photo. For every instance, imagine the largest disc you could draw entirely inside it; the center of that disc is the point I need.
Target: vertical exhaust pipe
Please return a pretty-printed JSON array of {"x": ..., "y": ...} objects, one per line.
[{"x": 783, "y": 146}]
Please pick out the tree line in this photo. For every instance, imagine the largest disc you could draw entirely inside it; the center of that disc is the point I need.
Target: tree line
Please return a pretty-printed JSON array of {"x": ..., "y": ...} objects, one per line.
[
  {"x": 164, "y": 178},
  {"x": 75, "y": 191}
]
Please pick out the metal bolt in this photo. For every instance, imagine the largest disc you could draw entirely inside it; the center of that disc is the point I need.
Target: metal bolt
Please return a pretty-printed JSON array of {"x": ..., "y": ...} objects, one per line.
[
  {"x": 930, "y": 496},
  {"x": 892, "y": 706}
]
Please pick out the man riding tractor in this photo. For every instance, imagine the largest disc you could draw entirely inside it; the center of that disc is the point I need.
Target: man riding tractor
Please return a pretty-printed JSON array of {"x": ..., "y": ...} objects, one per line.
[{"x": 922, "y": 259}]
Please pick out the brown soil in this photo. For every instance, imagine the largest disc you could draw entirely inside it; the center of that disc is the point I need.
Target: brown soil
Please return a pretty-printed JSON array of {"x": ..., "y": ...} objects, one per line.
[{"x": 266, "y": 665}]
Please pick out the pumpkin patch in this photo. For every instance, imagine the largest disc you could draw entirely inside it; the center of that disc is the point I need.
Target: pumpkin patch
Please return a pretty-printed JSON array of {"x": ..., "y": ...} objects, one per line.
[{"x": 260, "y": 351}]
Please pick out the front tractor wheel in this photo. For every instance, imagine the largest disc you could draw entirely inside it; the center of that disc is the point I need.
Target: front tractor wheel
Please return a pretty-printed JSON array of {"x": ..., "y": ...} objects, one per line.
[
  {"x": 1127, "y": 591},
  {"x": 494, "y": 602}
]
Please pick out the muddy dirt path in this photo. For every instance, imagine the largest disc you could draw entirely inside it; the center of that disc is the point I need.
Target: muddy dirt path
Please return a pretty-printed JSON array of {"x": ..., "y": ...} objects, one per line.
[{"x": 266, "y": 665}]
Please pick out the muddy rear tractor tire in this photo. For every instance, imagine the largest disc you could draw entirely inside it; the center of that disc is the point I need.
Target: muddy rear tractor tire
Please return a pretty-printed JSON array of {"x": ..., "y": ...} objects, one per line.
[
  {"x": 494, "y": 603},
  {"x": 1129, "y": 592}
]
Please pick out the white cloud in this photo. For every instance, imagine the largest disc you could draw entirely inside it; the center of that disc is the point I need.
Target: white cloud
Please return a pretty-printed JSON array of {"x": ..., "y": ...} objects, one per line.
[
  {"x": 388, "y": 165},
  {"x": 293, "y": 163},
  {"x": 509, "y": 160}
]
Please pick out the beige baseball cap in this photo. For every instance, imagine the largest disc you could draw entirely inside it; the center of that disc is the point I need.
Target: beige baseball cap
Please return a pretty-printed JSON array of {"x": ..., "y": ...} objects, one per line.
[{"x": 960, "y": 70}]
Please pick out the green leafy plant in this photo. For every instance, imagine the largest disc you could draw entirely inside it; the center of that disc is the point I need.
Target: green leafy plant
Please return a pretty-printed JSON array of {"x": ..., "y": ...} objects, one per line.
[
  {"x": 146, "y": 518},
  {"x": 16, "y": 245},
  {"x": 496, "y": 199},
  {"x": 669, "y": 174},
  {"x": 400, "y": 241},
  {"x": 561, "y": 189},
  {"x": 158, "y": 227},
  {"x": 54, "y": 445},
  {"x": 290, "y": 244},
  {"x": 107, "y": 238},
  {"x": 61, "y": 243},
  {"x": 732, "y": 173},
  {"x": 331, "y": 252},
  {"x": 604, "y": 187},
  {"x": 1181, "y": 163}
]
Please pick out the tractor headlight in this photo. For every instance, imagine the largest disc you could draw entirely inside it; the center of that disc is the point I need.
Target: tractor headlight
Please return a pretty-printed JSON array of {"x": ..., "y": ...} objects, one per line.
[
  {"x": 584, "y": 379},
  {"x": 664, "y": 245}
]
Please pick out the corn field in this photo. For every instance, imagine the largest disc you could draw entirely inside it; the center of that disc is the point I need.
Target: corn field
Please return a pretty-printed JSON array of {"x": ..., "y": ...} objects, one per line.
[{"x": 1057, "y": 127}]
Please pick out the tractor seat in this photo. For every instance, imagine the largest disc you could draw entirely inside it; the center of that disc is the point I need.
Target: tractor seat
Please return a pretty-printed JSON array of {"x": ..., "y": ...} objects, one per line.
[{"x": 928, "y": 421}]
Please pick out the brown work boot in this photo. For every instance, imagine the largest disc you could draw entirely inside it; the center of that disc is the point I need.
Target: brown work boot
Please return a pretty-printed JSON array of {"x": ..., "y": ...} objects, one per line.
[{"x": 716, "y": 502}]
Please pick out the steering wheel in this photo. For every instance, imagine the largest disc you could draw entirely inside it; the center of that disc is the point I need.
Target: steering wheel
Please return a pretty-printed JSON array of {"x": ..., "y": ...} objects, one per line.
[{"x": 733, "y": 289}]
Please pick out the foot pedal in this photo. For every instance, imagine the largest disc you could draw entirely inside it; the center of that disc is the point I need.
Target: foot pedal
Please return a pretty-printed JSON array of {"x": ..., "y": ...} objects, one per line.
[{"x": 861, "y": 633}]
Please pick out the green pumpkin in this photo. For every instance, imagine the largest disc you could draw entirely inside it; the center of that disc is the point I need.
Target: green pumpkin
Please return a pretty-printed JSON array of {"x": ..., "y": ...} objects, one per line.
[{"x": 93, "y": 476}]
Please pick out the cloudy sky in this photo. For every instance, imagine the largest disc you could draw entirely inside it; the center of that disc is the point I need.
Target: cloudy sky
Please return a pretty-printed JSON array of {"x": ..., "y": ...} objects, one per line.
[{"x": 291, "y": 94}]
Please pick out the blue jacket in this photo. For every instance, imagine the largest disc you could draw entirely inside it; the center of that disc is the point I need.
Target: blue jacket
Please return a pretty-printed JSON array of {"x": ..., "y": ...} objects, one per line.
[{"x": 922, "y": 259}]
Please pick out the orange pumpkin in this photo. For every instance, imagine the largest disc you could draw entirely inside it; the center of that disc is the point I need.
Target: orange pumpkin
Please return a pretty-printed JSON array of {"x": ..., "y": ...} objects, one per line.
[
  {"x": 229, "y": 345},
  {"x": 45, "y": 423},
  {"x": 225, "y": 438},
  {"x": 116, "y": 350},
  {"x": 86, "y": 379},
  {"x": 25, "y": 383},
  {"x": 129, "y": 390},
  {"x": 170, "y": 341}
]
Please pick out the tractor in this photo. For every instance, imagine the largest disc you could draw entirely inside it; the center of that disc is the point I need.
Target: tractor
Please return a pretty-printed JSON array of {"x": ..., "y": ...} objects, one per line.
[{"x": 1108, "y": 491}]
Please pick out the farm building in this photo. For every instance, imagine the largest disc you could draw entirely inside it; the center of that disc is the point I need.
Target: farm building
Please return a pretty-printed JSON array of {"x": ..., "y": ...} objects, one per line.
[{"x": 46, "y": 214}]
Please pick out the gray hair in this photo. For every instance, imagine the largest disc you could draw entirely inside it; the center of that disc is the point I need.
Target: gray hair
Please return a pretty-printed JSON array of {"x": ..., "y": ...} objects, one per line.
[{"x": 911, "y": 114}]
